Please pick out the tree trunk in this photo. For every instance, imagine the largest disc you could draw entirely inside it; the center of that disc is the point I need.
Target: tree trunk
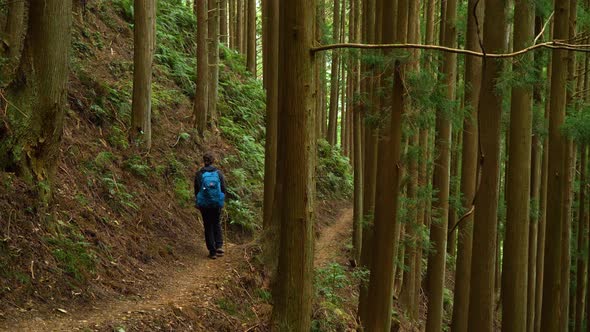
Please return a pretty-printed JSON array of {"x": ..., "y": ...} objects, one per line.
[
  {"x": 387, "y": 197},
  {"x": 481, "y": 296},
  {"x": 38, "y": 98},
  {"x": 143, "y": 55},
  {"x": 454, "y": 190},
  {"x": 251, "y": 53},
  {"x": 213, "y": 50},
  {"x": 240, "y": 26},
  {"x": 334, "y": 82},
  {"x": 223, "y": 33},
  {"x": 582, "y": 235},
  {"x": 321, "y": 100},
  {"x": 515, "y": 263},
  {"x": 201, "y": 95},
  {"x": 468, "y": 171},
  {"x": 370, "y": 157},
  {"x": 14, "y": 31},
  {"x": 357, "y": 146},
  {"x": 232, "y": 24},
  {"x": 296, "y": 158},
  {"x": 435, "y": 274},
  {"x": 409, "y": 293},
  {"x": 551, "y": 316},
  {"x": 271, "y": 223}
]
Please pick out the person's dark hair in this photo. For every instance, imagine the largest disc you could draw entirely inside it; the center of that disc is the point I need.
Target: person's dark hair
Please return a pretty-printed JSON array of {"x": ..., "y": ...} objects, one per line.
[{"x": 208, "y": 158}]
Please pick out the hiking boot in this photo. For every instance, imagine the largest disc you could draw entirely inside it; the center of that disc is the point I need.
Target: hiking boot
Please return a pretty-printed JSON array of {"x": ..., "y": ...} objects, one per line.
[
  {"x": 220, "y": 252},
  {"x": 212, "y": 256}
]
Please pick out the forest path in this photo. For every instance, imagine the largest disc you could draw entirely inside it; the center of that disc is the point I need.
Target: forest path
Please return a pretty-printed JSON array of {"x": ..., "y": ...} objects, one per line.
[
  {"x": 185, "y": 284},
  {"x": 333, "y": 239}
]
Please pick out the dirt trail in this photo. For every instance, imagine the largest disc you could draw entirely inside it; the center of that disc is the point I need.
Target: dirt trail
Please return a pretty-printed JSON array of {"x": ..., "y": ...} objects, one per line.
[
  {"x": 333, "y": 238},
  {"x": 186, "y": 284}
]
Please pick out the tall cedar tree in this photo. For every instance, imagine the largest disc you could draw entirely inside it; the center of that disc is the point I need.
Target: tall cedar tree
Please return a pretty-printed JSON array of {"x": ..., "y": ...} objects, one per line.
[
  {"x": 144, "y": 42},
  {"x": 201, "y": 96},
  {"x": 251, "y": 38},
  {"x": 370, "y": 154},
  {"x": 408, "y": 295},
  {"x": 357, "y": 230},
  {"x": 386, "y": 224},
  {"x": 223, "y": 29},
  {"x": 482, "y": 293},
  {"x": 213, "y": 60},
  {"x": 334, "y": 79},
  {"x": 441, "y": 182},
  {"x": 515, "y": 263},
  {"x": 468, "y": 170},
  {"x": 552, "y": 295},
  {"x": 296, "y": 167},
  {"x": 38, "y": 98}
]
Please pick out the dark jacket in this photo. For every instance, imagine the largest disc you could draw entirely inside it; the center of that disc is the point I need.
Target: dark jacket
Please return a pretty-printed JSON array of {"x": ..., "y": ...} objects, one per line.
[{"x": 199, "y": 178}]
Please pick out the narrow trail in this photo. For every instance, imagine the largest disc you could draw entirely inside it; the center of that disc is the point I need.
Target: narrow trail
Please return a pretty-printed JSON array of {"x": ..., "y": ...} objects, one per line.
[{"x": 185, "y": 284}]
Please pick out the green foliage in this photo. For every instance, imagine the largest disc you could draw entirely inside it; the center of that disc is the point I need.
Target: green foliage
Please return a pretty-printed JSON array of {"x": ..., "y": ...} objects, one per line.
[
  {"x": 103, "y": 159},
  {"x": 138, "y": 166},
  {"x": 330, "y": 283},
  {"x": 117, "y": 192},
  {"x": 72, "y": 253},
  {"x": 334, "y": 174},
  {"x": 182, "y": 190},
  {"x": 577, "y": 125}
]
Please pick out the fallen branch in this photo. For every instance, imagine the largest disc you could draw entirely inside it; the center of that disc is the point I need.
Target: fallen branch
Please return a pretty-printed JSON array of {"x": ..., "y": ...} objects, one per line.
[{"x": 551, "y": 45}]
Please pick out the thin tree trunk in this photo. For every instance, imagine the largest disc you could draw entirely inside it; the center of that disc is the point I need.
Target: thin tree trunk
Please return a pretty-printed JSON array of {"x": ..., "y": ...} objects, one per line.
[
  {"x": 552, "y": 315},
  {"x": 357, "y": 146},
  {"x": 251, "y": 37},
  {"x": 213, "y": 58},
  {"x": 468, "y": 171},
  {"x": 454, "y": 190},
  {"x": 387, "y": 198},
  {"x": 143, "y": 55},
  {"x": 515, "y": 263},
  {"x": 334, "y": 82},
  {"x": 582, "y": 235},
  {"x": 232, "y": 23},
  {"x": 481, "y": 296},
  {"x": 370, "y": 159},
  {"x": 223, "y": 29},
  {"x": 271, "y": 82},
  {"x": 240, "y": 26},
  {"x": 201, "y": 96},
  {"x": 435, "y": 274},
  {"x": 296, "y": 158}
]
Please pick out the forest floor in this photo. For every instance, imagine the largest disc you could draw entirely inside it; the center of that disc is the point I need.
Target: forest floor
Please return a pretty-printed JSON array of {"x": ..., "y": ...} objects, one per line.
[{"x": 186, "y": 293}]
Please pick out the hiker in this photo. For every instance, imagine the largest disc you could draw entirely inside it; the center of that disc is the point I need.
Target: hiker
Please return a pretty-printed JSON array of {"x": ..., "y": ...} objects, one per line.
[{"x": 209, "y": 199}]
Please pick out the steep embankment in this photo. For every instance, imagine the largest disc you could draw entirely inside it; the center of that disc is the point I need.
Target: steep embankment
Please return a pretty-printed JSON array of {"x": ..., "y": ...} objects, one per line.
[{"x": 119, "y": 217}]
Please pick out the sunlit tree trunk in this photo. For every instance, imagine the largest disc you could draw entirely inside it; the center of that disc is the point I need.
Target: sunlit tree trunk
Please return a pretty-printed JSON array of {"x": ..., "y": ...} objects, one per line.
[
  {"x": 223, "y": 27},
  {"x": 357, "y": 145},
  {"x": 482, "y": 293},
  {"x": 143, "y": 55},
  {"x": 251, "y": 37}
]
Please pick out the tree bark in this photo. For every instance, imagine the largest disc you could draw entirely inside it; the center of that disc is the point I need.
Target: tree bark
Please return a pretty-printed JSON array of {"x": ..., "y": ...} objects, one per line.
[
  {"x": 515, "y": 262},
  {"x": 271, "y": 222},
  {"x": 14, "y": 32},
  {"x": 435, "y": 274},
  {"x": 482, "y": 294},
  {"x": 370, "y": 158},
  {"x": 551, "y": 317},
  {"x": 143, "y": 55},
  {"x": 201, "y": 95},
  {"x": 582, "y": 235},
  {"x": 213, "y": 59},
  {"x": 387, "y": 198},
  {"x": 357, "y": 142},
  {"x": 223, "y": 28},
  {"x": 473, "y": 68},
  {"x": 334, "y": 81},
  {"x": 38, "y": 98},
  {"x": 251, "y": 39},
  {"x": 296, "y": 156}
]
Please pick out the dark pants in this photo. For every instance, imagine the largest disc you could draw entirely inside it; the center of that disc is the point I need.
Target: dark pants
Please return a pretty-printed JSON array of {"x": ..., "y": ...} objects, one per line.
[{"x": 213, "y": 235}]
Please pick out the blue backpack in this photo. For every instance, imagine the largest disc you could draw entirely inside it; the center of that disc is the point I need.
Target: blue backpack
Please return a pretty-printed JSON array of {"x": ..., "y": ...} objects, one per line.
[{"x": 210, "y": 194}]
